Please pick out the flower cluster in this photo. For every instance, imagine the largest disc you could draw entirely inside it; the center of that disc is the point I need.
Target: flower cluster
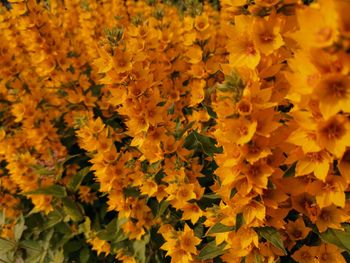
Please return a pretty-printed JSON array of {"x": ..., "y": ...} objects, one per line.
[{"x": 175, "y": 131}]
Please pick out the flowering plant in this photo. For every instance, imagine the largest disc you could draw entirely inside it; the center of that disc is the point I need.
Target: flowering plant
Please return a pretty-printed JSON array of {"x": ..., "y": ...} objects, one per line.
[{"x": 174, "y": 131}]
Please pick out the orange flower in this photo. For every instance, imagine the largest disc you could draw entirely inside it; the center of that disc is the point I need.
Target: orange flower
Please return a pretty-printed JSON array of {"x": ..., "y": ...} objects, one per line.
[
  {"x": 330, "y": 253},
  {"x": 266, "y": 34},
  {"x": 334, "y": 134},
  {"x": 330, "y": 217},
  {"x": 314, "y": 162},
  {"x": 306, "y": 254},
  {"x": 197, "y": 91},
  {"x": 188, "y": 241},
  {"x": 296, "y": 230},
  {"x": 333, "y": 94},
  {"x": 101, "y": 246},
  {"x": 201, "y": 23},
  {"x": 122, "y": 61},
  {"x": 194, "y": 54},
  {"x": 329, "y": 192},
  {"x": 191, "y": 212},
  {"x": 104, "y": 63}
]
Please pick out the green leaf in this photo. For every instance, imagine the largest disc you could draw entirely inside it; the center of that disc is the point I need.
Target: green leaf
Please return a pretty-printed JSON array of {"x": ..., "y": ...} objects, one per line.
[
  {"x": 239, "y": 221},
  {"x": 179, "y": 133},
  {"x": 54, "y": 190},
  {"x": 210, "y": 111},
  {"x": 197, "y": 141},
  {"x": 199, "y": 230},
  {"x": 219, "y": 228},
  {"x": 162, "y": 207},
  {"x": 212, "y": 196},
  {"x": 77, "y": 179},
  {"x": 290, "y": 171},
  {"x": 53, "y": 218},
  {"x": 84, "y": 255},
  {"x": 112, "y": 232},
  {"x": 233, "y": 192},
  {"x": 30, "y": 245},
  {"x": 6, "y": 245},
  {"x": 171, "y": 109},
  {"x": 33, "y": 250},
  {"x": 58, "y": 257},
  {"x": 271, "y": 235},
  {"x": 139, "y": 247},
  {"x": 257, "y": 257},
  {"x": 131, "y": 191},
  {"x": 42, "y": 170},
  {"x": 337, "y": 237},
  {"x": 19, "y": 228},
  {"x": 85, "y": 227},
  {"x": 211, "y": 250},
  {"x": 72, "y": 246},
  {"x": 72, "y": 209}
]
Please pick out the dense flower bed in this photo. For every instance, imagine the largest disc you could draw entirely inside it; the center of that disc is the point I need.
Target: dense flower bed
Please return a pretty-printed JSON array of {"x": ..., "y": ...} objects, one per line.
[{"x": 180, "y": 131}]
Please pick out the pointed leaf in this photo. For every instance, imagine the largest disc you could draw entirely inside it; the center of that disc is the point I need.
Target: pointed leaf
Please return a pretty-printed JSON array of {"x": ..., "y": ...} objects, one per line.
[
  {"x": 211, "y": 250},
  {"x": 54, "y": 190},
  {"x": 6, "y": 245},
  {"x": 337, "y": 237},
  {"x": 271, "y": 235},
  {"x": 84, "y": 255},
  {"x": 77, "y": 179},
  {"x": 220, "y": 228},
  {"x": 239, "y": 221},
  {"x": 19, "y": 228},
  {"x": 72, "y": 209},
  {"x": 197, "y": 141},
  {"x": 290, "y": 171}
]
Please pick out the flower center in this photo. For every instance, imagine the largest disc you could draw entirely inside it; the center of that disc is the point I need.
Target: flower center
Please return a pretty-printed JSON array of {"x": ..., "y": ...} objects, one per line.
[
  {"x": 337, "y": 89},
  {"x": 315, "y": 157},
  {"x": 266, "y": 37},
  {"x": 333, "y": 131}
]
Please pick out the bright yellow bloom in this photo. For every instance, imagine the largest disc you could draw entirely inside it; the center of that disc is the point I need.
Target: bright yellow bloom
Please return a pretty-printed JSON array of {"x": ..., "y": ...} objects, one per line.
[
  {"x": 330, "y": 217},
  {"x": 306, "y": 254},
  {"x": 334, "y": 134}
]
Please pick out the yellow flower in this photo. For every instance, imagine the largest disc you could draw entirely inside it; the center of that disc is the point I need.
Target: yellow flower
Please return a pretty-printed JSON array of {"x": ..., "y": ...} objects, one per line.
[
  {"x": 266, "y": 34},
  {"x": 334, "y": 134},
  {"x": 257, "y": 175},
  {"x": 188, "y": 241},
  {"x": 101, "y": 246},
  {"x": 329, "y": 192},
  {"x": 314, "y": 162},
  {"x": 333, "y": 94},
  {"x": 191, "y": 212},
  {"x": 328, "y": 253},
  {"x": 149, "y": 188},
  {"x": 254, "y": 210},
  {"x": 85, "y": 195},
  {"x": 297, "y": 230},
  {"x": 330, "y": 217},
  {"x": 104, "y": 63},
  {"x": 179, "y": 195},
  {"x": 197, "y": 91},
  {"x": 201, "y": 22},
  {"x": 122, "y": 61},
  {"x": 306, "y": 254},
  {"x": 194, "y": 54},
  {"x": 239, "y": 130},
  {"x": 42, "y": 203},
  {"x": 318, "y": 25}
]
